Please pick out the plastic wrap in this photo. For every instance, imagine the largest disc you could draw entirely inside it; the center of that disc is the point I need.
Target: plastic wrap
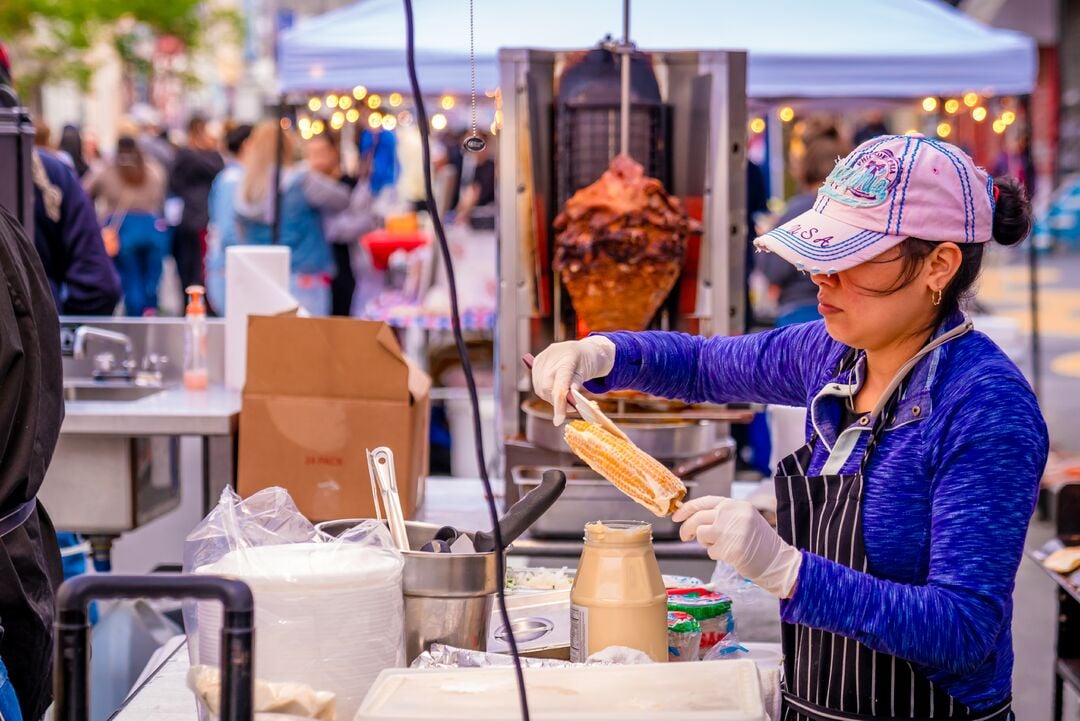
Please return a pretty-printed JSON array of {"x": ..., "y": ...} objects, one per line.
[
  {"x": 328, "y": 612},
  {"x": 757, "y": 612},
  {"x": 441, "y": 656}
]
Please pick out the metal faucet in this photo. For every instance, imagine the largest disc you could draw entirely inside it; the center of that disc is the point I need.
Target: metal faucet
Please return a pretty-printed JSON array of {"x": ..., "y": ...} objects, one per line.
[{"x": 104, "y": 364}]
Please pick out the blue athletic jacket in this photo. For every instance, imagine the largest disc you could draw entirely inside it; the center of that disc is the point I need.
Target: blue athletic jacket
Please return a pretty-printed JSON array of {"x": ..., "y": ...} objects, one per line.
[{"x": 947, "y": 497}]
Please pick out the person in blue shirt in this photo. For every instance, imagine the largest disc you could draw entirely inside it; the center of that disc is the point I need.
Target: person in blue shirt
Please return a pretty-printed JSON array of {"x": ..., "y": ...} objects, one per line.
[
  {"x": 303, "y": 199},
  {"x": 222, "y": 229},
  {"x": 378, "y": 157},
  {"x": 67, "y": 236},
  {"x": 901, "y": 522}
]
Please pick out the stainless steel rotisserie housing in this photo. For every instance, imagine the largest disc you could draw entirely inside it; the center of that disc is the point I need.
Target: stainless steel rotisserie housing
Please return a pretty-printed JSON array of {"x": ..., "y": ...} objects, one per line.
[{"x": 692, "y": 137}]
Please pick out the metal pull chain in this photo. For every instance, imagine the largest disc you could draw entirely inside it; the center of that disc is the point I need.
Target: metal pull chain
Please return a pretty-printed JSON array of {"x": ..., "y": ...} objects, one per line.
[{"x": 475, "y": 142}]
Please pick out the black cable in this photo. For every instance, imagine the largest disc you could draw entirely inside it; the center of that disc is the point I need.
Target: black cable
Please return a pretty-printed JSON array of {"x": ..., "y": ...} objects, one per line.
[{"x": 466, "y": 365}]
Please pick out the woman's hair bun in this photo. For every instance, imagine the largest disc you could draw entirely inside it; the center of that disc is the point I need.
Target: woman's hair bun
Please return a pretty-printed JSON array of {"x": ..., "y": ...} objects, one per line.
[{"x": 1012, "y": 211}]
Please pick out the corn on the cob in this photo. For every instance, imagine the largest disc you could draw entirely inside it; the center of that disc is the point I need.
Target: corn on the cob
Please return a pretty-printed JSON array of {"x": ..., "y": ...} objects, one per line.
[{"x": 631, "y": 470}]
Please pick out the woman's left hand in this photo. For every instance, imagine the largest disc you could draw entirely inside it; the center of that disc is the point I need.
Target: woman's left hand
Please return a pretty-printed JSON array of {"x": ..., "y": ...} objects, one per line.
[{"x": 734, "y": 532}]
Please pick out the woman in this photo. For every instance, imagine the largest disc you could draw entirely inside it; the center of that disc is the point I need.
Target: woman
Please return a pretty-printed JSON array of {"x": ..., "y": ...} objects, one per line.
[
  {"x": 347, "y": 214},
  {"x": 902, "y": 521},
  {"x": 71, "y": 142},
  {"x": 311, "y": 263},
  {"x": 132, "y": 191}
]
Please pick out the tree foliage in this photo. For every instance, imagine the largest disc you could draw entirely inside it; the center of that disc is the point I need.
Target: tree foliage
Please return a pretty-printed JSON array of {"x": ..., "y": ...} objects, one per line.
[{"x": 54, "y": 39}]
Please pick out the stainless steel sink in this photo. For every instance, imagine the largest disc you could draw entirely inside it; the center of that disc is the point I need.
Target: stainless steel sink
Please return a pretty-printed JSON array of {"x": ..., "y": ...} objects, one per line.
[
  {"x": 91, "y": 392},
  {"x": 105, "y": 485}
]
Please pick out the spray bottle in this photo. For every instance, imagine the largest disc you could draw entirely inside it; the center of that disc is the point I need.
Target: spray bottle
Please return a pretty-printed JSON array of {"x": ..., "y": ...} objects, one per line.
[{"x": 196, "y": 375}]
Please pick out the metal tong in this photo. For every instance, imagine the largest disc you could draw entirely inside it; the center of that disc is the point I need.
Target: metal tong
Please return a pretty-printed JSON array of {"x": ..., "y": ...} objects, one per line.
[
  {"x": 384, "y": 493},
  {"x": 585, "y": 408}
]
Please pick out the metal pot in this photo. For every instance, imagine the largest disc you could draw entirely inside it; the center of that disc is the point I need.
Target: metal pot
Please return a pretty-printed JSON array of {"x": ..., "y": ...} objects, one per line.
[
  {"x": 668, "y": 440},
  {"x": 448, "y": 596}
]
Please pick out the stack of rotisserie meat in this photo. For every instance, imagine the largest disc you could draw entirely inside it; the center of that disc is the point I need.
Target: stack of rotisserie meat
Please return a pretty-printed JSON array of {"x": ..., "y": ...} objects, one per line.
[{"x": 620, "y": 247}]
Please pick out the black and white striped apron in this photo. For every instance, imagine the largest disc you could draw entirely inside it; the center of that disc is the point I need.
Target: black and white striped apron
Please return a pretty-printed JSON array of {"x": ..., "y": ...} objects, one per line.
[{"x": 828, "y": 676}]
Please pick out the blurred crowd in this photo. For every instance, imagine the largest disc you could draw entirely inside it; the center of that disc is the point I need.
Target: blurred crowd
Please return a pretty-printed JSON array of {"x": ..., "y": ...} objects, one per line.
[{"x": 110, "y": 219}]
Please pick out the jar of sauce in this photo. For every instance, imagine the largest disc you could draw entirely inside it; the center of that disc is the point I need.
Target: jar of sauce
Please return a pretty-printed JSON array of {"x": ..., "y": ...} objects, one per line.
[{"x": 618, "y": 597}]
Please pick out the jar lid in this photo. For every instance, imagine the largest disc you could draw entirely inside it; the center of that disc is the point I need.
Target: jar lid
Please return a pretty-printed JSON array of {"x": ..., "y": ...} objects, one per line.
[
  {"x": 618, "y": 533},
  {"x": 700, "y": 603},
  {"x": 680, "y": 622}
]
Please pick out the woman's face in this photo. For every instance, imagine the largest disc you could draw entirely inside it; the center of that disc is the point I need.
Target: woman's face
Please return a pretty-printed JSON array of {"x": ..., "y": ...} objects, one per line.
[
  {"x": 866, "y": 307},
  {"x": 321, "y": 156}
]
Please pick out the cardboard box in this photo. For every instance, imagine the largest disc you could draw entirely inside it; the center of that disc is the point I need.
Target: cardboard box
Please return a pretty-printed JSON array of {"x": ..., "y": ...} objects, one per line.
[{"x": 319, "y": 392}]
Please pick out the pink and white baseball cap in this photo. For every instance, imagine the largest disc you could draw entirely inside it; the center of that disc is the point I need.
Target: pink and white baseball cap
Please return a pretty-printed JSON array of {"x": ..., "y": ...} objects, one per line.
[{"x": 889, "y": 188}]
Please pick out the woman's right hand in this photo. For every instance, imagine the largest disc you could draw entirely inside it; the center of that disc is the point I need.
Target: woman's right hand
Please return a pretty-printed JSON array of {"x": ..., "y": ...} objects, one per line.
[{"x": 563, "y": 365}]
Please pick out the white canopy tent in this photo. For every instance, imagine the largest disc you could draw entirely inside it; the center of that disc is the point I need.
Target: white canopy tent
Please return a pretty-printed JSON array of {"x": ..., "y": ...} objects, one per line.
[{"x": 797, "y": 49}]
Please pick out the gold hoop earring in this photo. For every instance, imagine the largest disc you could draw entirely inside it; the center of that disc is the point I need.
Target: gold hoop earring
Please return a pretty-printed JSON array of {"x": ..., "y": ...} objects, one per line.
[{"x": 935, "y": 297}]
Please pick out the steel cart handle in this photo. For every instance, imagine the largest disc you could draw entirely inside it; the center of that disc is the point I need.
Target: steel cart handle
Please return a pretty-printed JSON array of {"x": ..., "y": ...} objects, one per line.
[{"x": 72, "y": 629}]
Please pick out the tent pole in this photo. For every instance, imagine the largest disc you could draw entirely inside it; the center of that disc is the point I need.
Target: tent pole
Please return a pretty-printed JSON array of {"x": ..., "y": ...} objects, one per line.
[
  {"x": 624, "y": 110},
  {"x": 1033, "y": 268},
  {"x": 275, "y": 228}
]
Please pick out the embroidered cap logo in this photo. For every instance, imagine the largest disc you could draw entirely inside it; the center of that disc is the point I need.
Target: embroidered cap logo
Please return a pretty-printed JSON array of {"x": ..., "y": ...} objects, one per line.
[{"x": 866, "y": 182}]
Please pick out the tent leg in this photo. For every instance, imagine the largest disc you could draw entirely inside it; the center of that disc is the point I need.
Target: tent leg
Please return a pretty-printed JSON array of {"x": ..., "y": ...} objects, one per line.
[
  {"x": 275, "y": 228},
  {"x": 1033, "y": 273},
  {"x": 1036, "y": 343}
]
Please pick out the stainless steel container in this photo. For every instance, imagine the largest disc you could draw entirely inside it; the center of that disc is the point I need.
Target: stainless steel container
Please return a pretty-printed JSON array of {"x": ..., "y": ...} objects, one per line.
[
  {"x": 669, "y": 440},
  {"x": 448, "y": 596}
]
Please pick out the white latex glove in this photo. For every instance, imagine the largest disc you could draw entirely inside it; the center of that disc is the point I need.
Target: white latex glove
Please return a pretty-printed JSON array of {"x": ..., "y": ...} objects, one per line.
[
  {"x": 563, "y": 365},
  {"x": 733, "y": 531}
]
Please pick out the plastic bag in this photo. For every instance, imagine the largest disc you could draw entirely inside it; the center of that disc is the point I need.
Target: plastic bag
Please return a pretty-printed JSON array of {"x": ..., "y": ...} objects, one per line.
[
  {"x": 291, "y": 700},
  {"x": 756, "y": 611},
  {"x": 328, "y": 611}
]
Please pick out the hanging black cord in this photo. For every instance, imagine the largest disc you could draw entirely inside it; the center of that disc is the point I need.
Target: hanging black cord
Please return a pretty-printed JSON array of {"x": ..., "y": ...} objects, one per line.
[{"x": 466, "y": 365}]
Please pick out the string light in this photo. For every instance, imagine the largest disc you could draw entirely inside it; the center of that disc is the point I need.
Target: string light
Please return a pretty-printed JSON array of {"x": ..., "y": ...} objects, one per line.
[
  {"x": 314, "y": 105},
  {"x": 787, "y": 113},
  {"x": 374, "y": 100},
  {"x": 1000, "y": 126},
  {"x": 757, "y": 125},
  {"x": 374, "y": 120},
  {"x": 438, "y": 121},
  {"x": 395, "y": 100},
  {"x": 944, "y": 129},
  {"x": 1008, "y": 117},
  {"x": 405, "y": 118},
  {"x": 359, "y": 92},
  {"x": 979, "y": 114},
  {"x": 971, "y": 99},
  {"x": 317, "y": 127},
  {"x": 304, "y": 124},
  {"x": 337, "y": 120},
  {"x": 389, "y": 122},
  {"x": 286, "y": 123},
  {"x": 447, "y": 102},
  {"x": 331, "y": 101},
  {"x": 353, "y": 115},
  {"x": 344, "y": 102},
  {"x": 929, "y": 104},
  {"x": 952, "y": 105}
]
